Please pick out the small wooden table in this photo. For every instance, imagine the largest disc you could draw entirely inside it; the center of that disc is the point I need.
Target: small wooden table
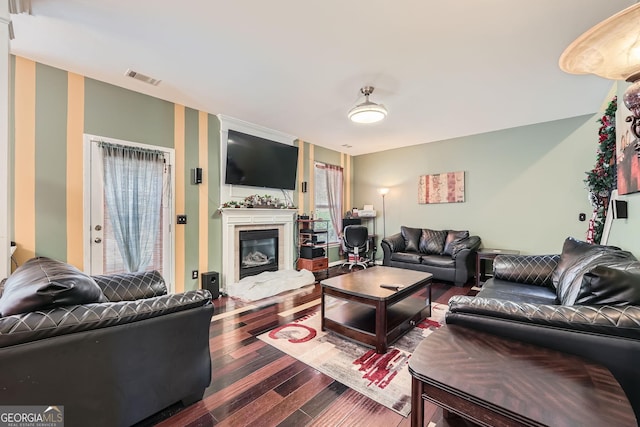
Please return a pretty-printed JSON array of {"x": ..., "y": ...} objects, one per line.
[
  {"x": 488, "y": 254},
  {"x": 373, "y": 315},
  {"x": 494, "y": 381}
]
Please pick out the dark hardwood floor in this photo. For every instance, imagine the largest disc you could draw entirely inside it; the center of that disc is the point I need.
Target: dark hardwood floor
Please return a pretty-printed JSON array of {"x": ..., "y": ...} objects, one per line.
[{"x": 255, "y": 384}]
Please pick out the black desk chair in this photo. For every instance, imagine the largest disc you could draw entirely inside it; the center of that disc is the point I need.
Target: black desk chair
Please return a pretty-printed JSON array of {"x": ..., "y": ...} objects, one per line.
[{"x": 355, "y": 240}]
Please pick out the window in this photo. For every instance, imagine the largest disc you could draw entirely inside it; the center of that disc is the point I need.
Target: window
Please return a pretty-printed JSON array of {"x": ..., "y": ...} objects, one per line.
[{"x": 328, "y": 197}]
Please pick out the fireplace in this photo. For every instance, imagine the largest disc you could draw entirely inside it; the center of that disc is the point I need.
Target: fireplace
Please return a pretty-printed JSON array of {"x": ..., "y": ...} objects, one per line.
[{"x": 258, "y": 251}]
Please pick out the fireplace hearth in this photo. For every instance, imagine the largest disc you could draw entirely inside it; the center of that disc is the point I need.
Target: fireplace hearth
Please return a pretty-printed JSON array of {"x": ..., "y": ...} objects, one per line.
[{"x": 258, "y": 251}]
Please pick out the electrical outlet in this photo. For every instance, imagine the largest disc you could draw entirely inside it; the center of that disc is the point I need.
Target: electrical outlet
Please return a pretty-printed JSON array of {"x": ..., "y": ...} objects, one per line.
[
  {"x": 182, "y": 219},
  {"x": 194, "y": 274}
]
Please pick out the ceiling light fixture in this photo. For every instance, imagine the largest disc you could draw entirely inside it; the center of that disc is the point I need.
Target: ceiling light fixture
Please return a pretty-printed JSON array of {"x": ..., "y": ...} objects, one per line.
[
  {"x": 367, "y": 112},
  {"x": 611, "y": 50}
]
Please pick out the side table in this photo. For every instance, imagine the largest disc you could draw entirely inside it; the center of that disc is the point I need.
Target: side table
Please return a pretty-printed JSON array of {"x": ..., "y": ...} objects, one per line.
[{"x": 487, "y": 254}]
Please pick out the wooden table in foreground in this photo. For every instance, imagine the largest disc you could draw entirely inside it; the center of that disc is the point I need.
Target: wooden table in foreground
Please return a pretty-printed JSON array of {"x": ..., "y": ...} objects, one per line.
[
  {"x": 498, "y": 382},
  {"x": 373, "y": 315}
]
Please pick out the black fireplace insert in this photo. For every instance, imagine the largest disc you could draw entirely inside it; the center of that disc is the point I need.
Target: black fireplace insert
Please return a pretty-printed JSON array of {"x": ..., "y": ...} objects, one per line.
[{"x": 258, "y": 251}]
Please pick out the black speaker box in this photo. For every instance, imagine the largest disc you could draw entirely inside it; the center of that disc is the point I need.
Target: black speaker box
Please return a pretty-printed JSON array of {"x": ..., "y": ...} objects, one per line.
[
  {"x": 620, "y": 209},
  {"x": 211, "y": 282},
  {"x": 309, "y": 252}
]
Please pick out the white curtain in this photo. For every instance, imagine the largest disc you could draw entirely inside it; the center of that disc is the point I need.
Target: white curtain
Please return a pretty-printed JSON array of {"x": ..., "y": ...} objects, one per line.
[
  {"x": 133, "y": 196},
  {"x": 334, "y": 192}
]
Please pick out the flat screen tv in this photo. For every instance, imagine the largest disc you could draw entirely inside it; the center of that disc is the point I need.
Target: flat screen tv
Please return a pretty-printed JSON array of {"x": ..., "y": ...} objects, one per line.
[{"x": 259, "y": 162}]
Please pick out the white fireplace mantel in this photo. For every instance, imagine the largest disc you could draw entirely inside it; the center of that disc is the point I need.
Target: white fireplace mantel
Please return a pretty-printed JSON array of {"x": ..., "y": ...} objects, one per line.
[{"x": 234, "y": 219}]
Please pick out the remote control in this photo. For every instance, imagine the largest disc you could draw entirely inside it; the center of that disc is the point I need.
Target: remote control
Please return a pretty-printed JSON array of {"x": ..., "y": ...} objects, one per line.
[{"x": 392, "y": 287}]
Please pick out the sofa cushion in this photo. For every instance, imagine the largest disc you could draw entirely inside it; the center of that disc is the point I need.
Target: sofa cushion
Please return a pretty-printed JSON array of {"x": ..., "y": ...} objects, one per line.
[
  {"x": 572, "y": 251},
  {"x": 518, "y": 292},
  {"x": 410, "y": 257},
  {"x": 616, "y": 285},
  {"x": 411, "y": 238},
  {"x": 453, "y": 237},
  {"x": 43, "y": 283},
  {"x": 432, "y": 241},
  {"x": 439, "y": 261},
  {"x": 570, "y": 284}
]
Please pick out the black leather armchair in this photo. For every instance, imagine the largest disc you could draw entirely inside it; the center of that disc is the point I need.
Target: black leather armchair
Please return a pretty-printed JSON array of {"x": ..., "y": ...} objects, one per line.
[
  {"x": 447, "y": 254},
  {"x": 585, "y": 302},
  {"x": 110, "y": 363}
]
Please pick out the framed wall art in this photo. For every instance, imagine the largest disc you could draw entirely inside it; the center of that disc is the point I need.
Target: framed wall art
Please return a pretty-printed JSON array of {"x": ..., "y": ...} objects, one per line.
[
  {"x": 441, "y": 188},
  {"x": 628, "y": 164}
]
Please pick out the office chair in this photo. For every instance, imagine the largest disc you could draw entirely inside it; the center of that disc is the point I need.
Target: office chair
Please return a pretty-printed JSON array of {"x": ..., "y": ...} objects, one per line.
[{"x": 355, "y": 240}]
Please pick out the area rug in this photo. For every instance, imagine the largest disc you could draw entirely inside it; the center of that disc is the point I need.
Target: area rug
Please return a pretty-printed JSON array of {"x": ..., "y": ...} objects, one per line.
[
  {"x": 384, "y": 378},
  {"x": 269, "y": 283}
]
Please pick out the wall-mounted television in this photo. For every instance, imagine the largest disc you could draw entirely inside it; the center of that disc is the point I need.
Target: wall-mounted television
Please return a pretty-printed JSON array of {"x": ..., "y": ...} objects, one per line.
[{"x": 259, "y": 162}]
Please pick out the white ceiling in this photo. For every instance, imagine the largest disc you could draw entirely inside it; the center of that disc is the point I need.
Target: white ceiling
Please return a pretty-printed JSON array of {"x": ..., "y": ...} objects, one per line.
[{"x": 443, "y": 69}]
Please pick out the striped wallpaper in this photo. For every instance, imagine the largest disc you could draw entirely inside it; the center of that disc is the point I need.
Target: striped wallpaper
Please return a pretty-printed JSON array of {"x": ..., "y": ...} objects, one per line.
[{"x": 53, "y": 108}]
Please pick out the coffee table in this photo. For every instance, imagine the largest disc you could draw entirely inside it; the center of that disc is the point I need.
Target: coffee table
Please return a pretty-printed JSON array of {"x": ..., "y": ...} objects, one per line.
[
  {"x": 497, "y": 382},
  {"x": 370, "y": 314}
]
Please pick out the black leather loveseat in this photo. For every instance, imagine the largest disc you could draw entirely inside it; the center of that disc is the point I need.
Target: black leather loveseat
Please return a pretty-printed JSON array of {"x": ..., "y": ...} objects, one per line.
[
  {"x": 115, "y": 361},
  {"x": 585, "y": 301},
  {"x": 447, "y": 254}
]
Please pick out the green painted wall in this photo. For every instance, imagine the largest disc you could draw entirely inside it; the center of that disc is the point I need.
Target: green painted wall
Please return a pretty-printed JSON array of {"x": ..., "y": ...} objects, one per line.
[
  {"x": 114, "y": 112},
  {"x": 523, "y": 187},
  {"x": 51, "y": 162},
  {"x": 192, "y": 228}
]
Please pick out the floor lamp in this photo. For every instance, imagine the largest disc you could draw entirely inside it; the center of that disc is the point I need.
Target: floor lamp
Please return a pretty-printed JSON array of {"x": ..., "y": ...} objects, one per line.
[{"x": 383, "y": 192}]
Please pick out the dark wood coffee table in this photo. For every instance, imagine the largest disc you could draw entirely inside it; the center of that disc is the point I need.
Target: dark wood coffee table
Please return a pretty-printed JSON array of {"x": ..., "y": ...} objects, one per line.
[
  {"x": 494, "y": 381},
  {"x": 373, "y": 315}
]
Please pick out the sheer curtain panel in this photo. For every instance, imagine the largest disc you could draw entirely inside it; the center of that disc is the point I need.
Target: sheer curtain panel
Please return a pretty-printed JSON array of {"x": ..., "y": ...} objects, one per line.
[{"x": 133, "y": 179}]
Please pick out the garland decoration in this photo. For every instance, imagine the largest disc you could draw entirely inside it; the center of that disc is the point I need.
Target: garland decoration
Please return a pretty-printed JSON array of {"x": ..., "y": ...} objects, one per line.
[
  {"x": 258, "y": 201},
  {"x": 603, "y": 178}
]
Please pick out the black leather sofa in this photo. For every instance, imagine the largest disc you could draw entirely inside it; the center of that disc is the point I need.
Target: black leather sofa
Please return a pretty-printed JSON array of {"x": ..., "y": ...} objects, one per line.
[
  {"x": 585, "y": 301},
  {"x": 449, "y": 255},
  {"x": 113, "y": 362}
]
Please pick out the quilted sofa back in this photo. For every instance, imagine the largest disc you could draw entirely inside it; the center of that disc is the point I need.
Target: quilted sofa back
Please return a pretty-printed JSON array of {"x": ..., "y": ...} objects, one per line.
[{"x": 131, "y": 286}]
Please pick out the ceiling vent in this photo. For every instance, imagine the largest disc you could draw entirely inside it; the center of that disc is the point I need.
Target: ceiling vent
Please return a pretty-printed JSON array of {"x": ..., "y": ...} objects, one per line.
[{"x": 142, "y": 77}]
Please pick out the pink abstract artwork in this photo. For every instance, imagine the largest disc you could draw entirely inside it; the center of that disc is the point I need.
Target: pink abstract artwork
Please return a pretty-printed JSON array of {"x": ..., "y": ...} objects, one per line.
[{"x": 441, "y": 188}]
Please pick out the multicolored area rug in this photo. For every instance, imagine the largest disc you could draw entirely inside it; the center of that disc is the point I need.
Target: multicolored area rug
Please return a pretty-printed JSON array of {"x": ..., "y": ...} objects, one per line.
[{"x": 384, "y": 378}]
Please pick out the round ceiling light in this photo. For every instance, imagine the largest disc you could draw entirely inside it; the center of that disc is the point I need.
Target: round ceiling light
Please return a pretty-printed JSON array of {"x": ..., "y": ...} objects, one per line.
[{"x": 367, "y": 112}]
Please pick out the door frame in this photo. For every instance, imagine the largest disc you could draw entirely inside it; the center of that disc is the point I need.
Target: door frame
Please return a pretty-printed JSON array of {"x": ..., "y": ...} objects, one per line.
[{"x": 169, "y": 258}]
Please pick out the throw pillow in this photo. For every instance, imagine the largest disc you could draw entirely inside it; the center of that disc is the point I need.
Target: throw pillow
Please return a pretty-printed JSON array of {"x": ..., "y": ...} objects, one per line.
[
  {"x": 453, "y": 237},
  {"x": 411, "y": 238},
  {"x": 432, "y": 241},
  {"x": 569, "y": 286},
  {"x": 572, "y": 250},
  {"x": 43, "y": 283},
  {"x": 617, "y": 285}
]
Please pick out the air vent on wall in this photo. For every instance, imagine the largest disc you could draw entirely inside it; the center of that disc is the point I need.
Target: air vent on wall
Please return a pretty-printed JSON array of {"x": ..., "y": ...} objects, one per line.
[{"x": 142, "y": 77}]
